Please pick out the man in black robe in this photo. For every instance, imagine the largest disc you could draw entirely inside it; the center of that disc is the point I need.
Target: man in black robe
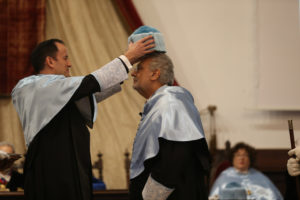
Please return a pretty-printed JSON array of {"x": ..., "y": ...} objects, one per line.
[
  {"x": 170, "y": 158},
  {"x": 54, "y": 110}
]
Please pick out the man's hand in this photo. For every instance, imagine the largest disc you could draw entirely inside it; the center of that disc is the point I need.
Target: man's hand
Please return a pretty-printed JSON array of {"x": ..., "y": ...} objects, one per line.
[
  {"x": 295, "y": 151},
  {"x": 293, "y": 166},
  {"x": 7, "y": 160},
  {"x": 139, "y": 49}
]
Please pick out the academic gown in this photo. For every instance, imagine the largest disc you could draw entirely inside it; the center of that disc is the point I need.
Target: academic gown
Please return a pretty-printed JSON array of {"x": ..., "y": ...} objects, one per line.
[
  {"x": 58, "y": 162},
  {"x": 170, "y": 145},
  {"x": 183, "y": 166}
]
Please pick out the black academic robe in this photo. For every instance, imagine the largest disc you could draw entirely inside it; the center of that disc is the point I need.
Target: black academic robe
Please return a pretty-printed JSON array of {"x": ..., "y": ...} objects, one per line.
[
  {"x": 58, "y": 162},
  {"x": 181, "y": 165},
  {"x": 291, "y": 192}
]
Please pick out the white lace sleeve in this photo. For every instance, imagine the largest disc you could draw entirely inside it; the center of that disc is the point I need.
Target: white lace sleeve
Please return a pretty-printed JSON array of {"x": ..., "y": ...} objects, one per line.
[
  {"x": 153, "y": 190},
  {"x": 110, "y": 74}
]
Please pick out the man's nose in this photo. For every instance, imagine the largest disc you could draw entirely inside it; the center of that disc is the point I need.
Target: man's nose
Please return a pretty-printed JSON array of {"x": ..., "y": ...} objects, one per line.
[{"x": 69, "y": 64}]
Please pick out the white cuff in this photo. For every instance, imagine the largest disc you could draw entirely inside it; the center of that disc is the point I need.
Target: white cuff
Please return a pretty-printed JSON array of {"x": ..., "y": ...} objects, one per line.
[
  {"x": 110, "y": 74},
  {"x": 154, "y": 190},
  {"x": 126, "y": 61}
]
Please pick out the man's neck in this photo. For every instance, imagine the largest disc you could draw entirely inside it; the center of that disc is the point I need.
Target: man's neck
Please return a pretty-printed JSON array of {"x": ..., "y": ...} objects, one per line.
[
  {"x": 46, "y": 70},
  {"x": 153, "y": 89}
]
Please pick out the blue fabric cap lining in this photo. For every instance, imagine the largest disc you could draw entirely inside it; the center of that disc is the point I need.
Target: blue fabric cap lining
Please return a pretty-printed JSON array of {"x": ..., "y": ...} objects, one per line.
[{"x": 144, "y": 31}]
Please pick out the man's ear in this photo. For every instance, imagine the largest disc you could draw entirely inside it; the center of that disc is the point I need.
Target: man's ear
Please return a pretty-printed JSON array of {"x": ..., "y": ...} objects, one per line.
[
  {"x": 155, "y": 75},
  {"x": 49, "y": 61}
]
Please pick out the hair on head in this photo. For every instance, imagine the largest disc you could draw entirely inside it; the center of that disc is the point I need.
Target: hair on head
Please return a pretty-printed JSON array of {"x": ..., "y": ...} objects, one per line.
[
  {"x": 162, "y": 62},
  {"x": 41, "y": 51}
]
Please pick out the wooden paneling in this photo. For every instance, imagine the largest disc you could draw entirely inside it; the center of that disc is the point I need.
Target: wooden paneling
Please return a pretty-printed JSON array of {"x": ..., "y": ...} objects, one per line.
[{"x": 272, "y": 162}]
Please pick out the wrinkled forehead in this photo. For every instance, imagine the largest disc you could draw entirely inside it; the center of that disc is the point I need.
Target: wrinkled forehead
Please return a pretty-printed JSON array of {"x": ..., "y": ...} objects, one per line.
[{"x": 145, "y": 62}]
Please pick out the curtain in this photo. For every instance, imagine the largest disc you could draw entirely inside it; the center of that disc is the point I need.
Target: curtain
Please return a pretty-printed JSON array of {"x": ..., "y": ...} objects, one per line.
[
  {"x": 129, "y": 14},
  {"x": 22, "y": 25},
  {"x": 94, "y": 35},
  {"x": 21, "y": 28}
]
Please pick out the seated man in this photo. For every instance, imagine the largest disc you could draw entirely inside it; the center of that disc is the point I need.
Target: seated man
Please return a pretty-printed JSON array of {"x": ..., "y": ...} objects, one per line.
[
  {"x": 9, "y": 177},
  {"x": 242, "y": 181}
]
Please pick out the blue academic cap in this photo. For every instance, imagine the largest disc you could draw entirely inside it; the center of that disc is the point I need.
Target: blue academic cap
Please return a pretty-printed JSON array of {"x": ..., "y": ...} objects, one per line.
[{"x": 144, "y": 31}]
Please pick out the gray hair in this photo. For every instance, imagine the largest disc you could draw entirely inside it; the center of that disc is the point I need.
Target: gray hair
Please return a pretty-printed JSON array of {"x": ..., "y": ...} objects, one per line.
[
  {"x": 7, "y": 144},
  {"x": 162, "y": 62}
]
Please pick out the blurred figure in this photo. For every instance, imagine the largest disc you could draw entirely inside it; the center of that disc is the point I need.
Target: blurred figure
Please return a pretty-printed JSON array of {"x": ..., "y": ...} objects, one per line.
[
  {"x": 9, "y": 177},
  {"x": 293, "y": 164},
  {"x": 293, "y": 169},
  {"x": 242, "y": 181}
]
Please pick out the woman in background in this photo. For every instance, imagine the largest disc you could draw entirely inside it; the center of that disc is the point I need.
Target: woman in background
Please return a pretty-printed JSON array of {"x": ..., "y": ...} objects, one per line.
[{"x": 241, "y": 181}]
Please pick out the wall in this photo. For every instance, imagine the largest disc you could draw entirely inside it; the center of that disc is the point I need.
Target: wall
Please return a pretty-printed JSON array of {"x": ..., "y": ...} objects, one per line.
[{"x": 213, "y": 44}]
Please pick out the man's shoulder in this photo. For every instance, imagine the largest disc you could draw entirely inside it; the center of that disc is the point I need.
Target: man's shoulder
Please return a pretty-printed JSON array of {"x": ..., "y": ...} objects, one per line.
[
  {"x": 175, "y": 89},
  {"x": 33, "y": 79},
  {"x": 176, "y": 94},
  {"x": 229, "y": 172}
]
